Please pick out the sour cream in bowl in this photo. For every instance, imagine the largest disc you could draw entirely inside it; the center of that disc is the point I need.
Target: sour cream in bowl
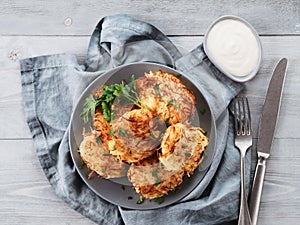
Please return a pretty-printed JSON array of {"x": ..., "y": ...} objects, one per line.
[{"x": 234, "y": 47}]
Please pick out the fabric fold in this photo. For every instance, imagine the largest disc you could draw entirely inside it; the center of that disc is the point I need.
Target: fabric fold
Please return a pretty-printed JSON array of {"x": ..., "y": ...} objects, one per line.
[
  {"x": 52, "y": 84},
  {"x": 121, "y": 39}
]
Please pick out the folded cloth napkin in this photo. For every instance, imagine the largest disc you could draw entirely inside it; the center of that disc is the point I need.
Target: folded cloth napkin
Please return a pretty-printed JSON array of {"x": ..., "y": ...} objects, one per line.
[{"x": 52, "y": 84}]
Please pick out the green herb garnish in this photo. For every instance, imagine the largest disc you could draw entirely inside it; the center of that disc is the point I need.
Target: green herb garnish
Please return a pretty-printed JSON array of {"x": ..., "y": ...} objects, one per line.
[
  {"x": 112, "y": 132},
  {"x": 113, "y": 114},
  {"x": 167, "y": 121},
  {"x": 157, "y": 183},
  {"x": 107, "y": 98},
  {"x": 187, "y": 155},
  {"x": 123, "y": 187},
  {"x": 82, "y": 165},
  {"x": 157, "y": 91},
  {"x": 154, "y": 173},
  {"x": 129, "y": 197},
  {"x": 141, "y": 200},
  {"x": 159, "y": 200},
  {"x": 130, "y": 92},
  {"x": 172, "y": 102},
  {"x": 178, "y": 76},
  {"x": 89, "y": 108},
  {"x": 106, "y": 154},
  {"x": 98, "y": 140},
  {"x": 202, "y": 111},
  {"x": 122, "y": 133}
]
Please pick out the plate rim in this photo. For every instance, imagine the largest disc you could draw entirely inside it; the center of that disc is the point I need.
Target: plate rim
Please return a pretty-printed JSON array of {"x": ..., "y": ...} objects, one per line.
[{"x": 84, "y": 178}]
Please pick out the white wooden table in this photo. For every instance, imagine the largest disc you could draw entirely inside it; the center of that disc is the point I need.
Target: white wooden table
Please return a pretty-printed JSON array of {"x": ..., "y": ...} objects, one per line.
[{"x": 32, "y": 28}]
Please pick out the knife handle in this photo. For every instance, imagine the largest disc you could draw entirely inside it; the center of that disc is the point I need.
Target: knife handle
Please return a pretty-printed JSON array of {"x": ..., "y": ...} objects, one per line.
[{"x": 257, "y": 187}]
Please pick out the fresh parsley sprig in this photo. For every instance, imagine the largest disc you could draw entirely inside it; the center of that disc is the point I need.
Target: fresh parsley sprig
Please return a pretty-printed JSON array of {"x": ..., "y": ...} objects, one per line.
[
  {"x": 107, "y": 98},
  {"x": 89, "y": 108},
  {"x": 130, "y": 93}
]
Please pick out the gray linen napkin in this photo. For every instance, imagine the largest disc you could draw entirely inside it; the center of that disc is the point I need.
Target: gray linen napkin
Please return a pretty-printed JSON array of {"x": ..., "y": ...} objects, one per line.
[{"x": 51, "y": 85}]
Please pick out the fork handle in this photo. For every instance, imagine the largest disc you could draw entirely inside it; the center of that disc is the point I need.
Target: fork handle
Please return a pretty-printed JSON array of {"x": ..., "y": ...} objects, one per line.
[
  {"x": 257, "y": 187},
  {"x": 244, "y": 216}
]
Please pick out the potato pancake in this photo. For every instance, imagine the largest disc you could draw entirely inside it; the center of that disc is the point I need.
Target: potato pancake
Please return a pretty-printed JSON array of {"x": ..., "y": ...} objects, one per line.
[
  {"x": 152, "y": 180},
  {"x": 166, "y": 96},
  {"x": 182, "y": 147},
  {"x": 98, "y": 159},
  {"x": 132, "y": 137}
]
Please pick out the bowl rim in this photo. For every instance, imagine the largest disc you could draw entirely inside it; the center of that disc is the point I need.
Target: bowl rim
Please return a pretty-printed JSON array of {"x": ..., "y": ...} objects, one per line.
[{"x": 211, "y": 58}]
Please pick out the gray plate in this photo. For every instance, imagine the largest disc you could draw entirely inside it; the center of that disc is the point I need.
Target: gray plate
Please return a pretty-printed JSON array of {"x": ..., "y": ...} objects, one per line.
[{"x": 118, "y": 190}]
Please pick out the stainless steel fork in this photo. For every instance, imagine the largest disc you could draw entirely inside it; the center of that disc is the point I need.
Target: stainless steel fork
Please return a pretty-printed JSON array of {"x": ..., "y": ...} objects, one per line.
[{"x": 243, "y": 141}]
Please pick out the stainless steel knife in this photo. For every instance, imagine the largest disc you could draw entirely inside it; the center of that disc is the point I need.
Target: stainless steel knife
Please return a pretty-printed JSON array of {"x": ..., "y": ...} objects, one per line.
[{"x": 267, "y": 126}]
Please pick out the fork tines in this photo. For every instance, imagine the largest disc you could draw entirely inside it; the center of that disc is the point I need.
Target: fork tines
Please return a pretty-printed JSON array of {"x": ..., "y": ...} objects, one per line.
[{"x": 242, "y": 116}]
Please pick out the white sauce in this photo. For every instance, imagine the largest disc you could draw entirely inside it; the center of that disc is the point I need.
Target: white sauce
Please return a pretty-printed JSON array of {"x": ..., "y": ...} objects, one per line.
[{"x": 234, "y": 47}]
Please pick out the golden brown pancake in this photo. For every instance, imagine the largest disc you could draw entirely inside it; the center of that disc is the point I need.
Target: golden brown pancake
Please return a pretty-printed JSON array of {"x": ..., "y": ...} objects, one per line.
[
  {"x": 132, "y": 137},
  {"x": 98, "y": 159},
  {"x": 183, "y": 146},
  {"x": 152, "y": 180},
  {"x": 166, "y": 96}
]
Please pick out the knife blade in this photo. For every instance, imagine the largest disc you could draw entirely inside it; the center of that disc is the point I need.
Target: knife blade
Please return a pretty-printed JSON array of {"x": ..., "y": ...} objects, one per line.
[{"x": 267, "y": 127}]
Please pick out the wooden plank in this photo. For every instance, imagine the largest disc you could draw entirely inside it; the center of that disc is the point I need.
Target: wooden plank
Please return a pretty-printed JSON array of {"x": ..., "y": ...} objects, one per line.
[
  {"x": 11, "y": 108},
  {"x": 288, "y": 120},
  {"x": 280, "y": 198},
  {"x": 11, "y": 113},
  {"x": 27, "y": 197},
  {"x": 31, "y": 28},
  {"x": 172, "y": 17}
]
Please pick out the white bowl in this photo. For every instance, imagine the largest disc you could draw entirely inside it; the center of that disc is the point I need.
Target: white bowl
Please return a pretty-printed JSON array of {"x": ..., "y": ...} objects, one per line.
[{"x": 234, "y": 77}]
